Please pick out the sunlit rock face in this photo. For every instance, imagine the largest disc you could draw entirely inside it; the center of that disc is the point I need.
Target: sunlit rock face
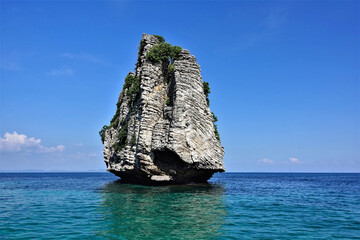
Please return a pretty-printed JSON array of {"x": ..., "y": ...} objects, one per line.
[{"x": 163, "y": 130}]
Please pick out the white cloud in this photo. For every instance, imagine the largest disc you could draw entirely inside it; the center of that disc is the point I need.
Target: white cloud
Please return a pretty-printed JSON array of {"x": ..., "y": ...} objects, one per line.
[
  {"x": 94, "y": 154},
  {"x": 14, "y": 142},
  {"x": 78, "y": 144},
  {"x": 294, "y": 160},
  {"x": 58, "y": 148},
  {"x": 266, "y": 160},
  {"x": 85, "y": 155},
  {"x": 60, "y": 72}
]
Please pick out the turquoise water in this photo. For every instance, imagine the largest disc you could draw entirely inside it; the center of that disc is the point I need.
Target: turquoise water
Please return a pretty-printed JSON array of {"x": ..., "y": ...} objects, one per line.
[{"x": 232, "y": 206}]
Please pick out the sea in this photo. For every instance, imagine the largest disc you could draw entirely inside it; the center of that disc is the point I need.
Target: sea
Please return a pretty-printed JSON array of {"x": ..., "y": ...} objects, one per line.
[{"x": 231, "y": 206}]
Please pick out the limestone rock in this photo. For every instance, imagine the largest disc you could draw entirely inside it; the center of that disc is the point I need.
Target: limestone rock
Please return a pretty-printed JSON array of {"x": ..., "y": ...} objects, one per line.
[{"x": 163, "y": 131}]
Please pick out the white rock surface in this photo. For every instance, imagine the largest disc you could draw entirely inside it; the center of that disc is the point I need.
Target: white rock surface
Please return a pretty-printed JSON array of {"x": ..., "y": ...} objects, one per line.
[{"x": 174, "y": 144}]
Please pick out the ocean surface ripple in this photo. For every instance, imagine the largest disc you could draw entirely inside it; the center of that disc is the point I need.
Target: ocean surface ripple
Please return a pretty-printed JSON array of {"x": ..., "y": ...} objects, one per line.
[{"x": 232, "y": 206}]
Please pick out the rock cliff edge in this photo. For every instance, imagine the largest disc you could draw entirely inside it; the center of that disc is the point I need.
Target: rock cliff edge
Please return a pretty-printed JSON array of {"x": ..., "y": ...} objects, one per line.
[{"x": 163, "y": 131}]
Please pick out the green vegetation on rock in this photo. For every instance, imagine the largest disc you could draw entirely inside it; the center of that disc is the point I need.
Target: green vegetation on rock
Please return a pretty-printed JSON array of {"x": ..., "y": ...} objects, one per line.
[
  {"x": 160, "y": 38},
  {"x": 171, "y": 68},
  {"x": 141, "y": 47},
  {"x": 122, "y": 138},
  {"x": 166, "y": 54},
  {"x": 207, "y": 92},
  {"x": 168, "y": 102},
  {"x": 102, "y": 133},
  {"x": 128, "y": 81},
  {"x": 133, "y": 140},
  {"x": 214, "y": 120},
  {"x": 132, "y": 88},
  {"x": 115, "y": 120},
  {"x": 134, "y": 91},
  {"x": 163, "y": 52}
]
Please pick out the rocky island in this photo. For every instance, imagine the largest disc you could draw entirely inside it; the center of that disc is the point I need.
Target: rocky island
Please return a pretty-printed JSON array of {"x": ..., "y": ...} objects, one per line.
[{"x": 163, "y": 131}]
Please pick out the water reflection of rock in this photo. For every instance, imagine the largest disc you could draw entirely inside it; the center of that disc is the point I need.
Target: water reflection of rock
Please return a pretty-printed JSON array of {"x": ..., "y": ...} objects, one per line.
[{"x": 166, "y": 212}]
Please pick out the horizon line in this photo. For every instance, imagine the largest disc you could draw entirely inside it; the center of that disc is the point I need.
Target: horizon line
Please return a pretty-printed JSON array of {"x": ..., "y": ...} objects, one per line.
[{"x": 90, "y": 171}]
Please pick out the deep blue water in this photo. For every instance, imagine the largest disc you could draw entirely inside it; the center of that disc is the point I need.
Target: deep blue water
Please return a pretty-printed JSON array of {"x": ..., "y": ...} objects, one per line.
[{"x": 232, "y": 206}]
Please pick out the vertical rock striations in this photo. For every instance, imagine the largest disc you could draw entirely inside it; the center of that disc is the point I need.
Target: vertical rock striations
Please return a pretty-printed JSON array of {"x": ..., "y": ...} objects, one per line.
[{"x": 163, "y": 131}]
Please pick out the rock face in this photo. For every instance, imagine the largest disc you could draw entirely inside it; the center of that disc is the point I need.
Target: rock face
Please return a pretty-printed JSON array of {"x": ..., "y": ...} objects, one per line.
[{"x": 163, "y": 130}]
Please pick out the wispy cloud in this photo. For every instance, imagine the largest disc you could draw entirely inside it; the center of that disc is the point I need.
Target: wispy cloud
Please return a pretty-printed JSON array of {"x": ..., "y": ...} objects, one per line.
[
  {"x": 14, "y": 142},
  {"x": 85, "y": 155},
  {"x": 64, "y": 71},
  {"x": 266, "y": 161},
  {"x": 94, "y": 154},
  {"x": 294, "y": 160},
  {"x": 82, "y": 56},
  {"x": 78, "y": 144}
]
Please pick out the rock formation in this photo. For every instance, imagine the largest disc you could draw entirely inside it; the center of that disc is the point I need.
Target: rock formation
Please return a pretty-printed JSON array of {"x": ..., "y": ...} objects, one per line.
[{"x": 163, "y": 131}]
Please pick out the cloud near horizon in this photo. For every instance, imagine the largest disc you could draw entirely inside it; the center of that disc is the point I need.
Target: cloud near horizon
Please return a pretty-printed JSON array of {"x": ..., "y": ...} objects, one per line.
[
  {"x": 294, "y": 160},
  {"x": 14, "y": 142},
  {"x": 266, "y": 160}
]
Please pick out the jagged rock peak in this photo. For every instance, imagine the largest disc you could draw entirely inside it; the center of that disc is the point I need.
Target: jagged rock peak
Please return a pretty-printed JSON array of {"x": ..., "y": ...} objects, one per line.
[{"x": 163, "y": 131}]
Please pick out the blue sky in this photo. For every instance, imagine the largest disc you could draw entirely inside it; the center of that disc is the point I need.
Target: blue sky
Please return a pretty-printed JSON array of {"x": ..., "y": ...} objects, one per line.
[{"x": 284, "y": 78}]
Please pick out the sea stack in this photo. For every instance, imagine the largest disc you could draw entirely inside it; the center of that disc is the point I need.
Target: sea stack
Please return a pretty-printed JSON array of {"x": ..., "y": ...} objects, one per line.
[{"x": 163, "y": 131}]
